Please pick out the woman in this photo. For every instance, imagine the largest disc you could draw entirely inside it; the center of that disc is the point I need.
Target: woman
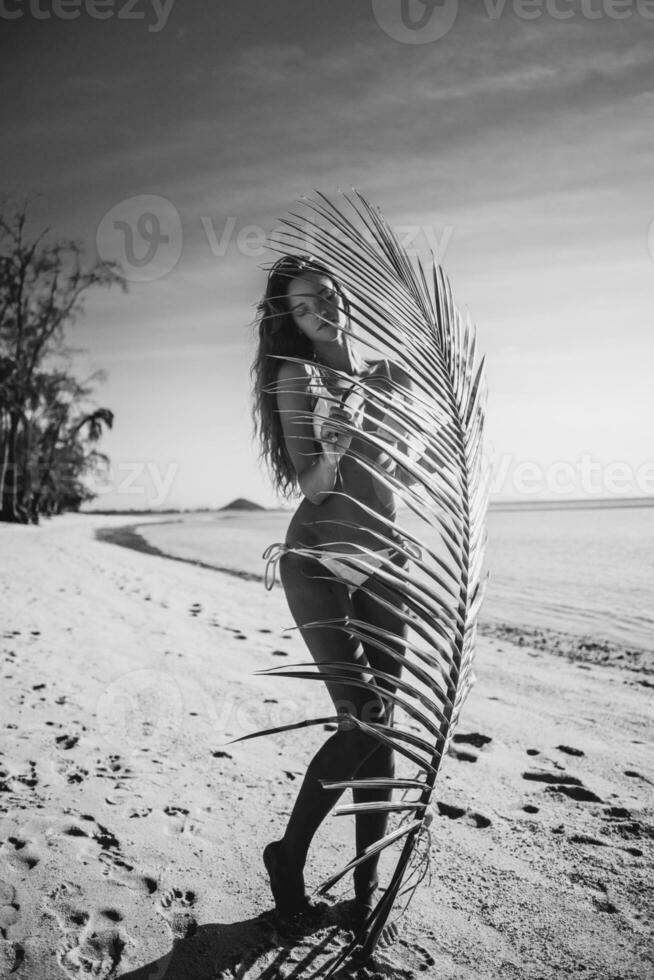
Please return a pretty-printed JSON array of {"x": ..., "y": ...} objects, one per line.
[{"x": 302, "y": 413}]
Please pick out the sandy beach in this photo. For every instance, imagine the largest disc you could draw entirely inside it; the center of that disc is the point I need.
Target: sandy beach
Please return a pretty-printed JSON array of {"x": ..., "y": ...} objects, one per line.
[{"x": 132, "y": 832}]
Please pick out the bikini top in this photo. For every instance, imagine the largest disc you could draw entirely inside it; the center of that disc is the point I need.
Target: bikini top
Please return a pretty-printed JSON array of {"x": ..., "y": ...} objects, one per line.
[{"x": 347, "y": 394}]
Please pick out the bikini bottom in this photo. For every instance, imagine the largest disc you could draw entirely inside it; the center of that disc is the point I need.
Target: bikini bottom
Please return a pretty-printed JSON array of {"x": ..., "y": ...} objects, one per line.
[{"x": 366, "y": 562}]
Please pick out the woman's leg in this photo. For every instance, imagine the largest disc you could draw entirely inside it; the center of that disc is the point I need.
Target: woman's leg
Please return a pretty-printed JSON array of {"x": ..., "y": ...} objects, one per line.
[
  {"x": 348, "y": 748},
  {"x": 370, "y": 827}
]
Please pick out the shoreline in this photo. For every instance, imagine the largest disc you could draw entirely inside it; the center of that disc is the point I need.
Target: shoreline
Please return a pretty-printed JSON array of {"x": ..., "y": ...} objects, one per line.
[
  {"x": 576, "y": 648},
  {"x": 128, "y": 536}
]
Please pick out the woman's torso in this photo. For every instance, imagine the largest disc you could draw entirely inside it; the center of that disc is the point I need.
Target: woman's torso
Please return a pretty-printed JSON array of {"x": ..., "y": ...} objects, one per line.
[{"x": 354, "y": 480}]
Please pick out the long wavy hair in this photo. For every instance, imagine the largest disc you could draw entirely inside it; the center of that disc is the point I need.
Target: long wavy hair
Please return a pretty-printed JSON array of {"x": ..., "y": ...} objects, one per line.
[{"x": 278, "y": 334}]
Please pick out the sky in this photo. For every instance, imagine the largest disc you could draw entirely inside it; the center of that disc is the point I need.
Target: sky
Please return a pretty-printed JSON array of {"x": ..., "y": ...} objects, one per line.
[{"x": 515, "y": 137}]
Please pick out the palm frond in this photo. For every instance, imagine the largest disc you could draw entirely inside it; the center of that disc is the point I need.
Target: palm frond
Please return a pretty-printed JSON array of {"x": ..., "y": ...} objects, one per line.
[{"x": 405, "y": 311}]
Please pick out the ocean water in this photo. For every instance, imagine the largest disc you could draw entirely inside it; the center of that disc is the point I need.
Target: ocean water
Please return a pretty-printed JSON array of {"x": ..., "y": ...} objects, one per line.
[{"x": 586, "y": 572}]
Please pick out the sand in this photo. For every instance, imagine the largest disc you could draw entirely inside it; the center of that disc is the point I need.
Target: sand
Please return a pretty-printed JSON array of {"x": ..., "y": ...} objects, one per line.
[{"x": 132, "y": 833}]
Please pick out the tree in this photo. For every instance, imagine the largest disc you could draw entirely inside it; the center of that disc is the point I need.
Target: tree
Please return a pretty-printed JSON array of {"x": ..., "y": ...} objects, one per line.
[{"x": 44, "y": 430}]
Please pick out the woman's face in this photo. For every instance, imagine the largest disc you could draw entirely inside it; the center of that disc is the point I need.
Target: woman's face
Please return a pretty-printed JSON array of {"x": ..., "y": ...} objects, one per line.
[{"x": 315, "y": 306}]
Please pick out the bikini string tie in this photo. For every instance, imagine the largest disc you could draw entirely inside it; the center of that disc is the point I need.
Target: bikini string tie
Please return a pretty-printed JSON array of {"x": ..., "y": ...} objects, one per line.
[{"x": 272, "y": 554}]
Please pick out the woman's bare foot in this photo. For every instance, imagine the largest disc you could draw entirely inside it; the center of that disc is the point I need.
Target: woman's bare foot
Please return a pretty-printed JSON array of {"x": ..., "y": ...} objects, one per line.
[{"x": 286, "y": 881}]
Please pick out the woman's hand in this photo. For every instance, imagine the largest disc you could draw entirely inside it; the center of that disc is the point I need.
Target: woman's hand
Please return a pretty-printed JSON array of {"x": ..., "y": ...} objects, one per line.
[
  {"x": 393, "y": 434},
  {"x": 334, "y": 442}
]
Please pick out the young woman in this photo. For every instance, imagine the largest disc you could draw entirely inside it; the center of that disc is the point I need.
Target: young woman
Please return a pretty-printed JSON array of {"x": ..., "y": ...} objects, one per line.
[{"x": 297, "y": 410}]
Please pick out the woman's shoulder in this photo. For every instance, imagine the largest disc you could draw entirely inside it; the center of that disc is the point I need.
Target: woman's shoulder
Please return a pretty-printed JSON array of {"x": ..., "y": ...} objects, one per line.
[{"x": 294, "y": 374}]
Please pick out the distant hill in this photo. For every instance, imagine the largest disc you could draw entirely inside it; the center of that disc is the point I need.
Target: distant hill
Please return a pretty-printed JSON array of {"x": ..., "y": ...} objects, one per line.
[{"x": 242, "y": 504}]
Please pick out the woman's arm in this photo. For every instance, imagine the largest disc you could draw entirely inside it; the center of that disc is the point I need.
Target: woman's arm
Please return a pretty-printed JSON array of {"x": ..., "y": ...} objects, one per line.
[{"x": 316, "y": 472}]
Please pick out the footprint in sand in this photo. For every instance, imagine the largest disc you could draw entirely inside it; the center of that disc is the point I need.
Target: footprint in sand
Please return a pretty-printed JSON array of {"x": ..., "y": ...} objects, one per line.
[
  {"x": 110, "y": 767},
  {"x": 12, "y": 955},
  {"x": 562, "y": 784},
  {"x": 579, "y": 793},
  {"x": 472, "y": 738},
  {"x": 11, "y": 782},
  {"x": 89, "y": 947},
  {"x": 9, "y": 907},
  {"x": 66, "y": 742},
  {"x": 426, "y": 958},
  {"x": 569, "y": 750},
  {"x": 622, "y": 823},
  {"x": 113, "y": 915},
  {"x": 182, "y": 822},
  {"x": 137, "y": 813},
  {"x": 73, "y": 773},
  {"x": 31, "y": 779},
  {"x": 636, "y": 775},
  {"x": 456, "y": 812},
  {"x": 176, "y": 906},
  {"x": 94, "y": 839},
  {"x": 20, "y": 854},
  {"x": 175, "y": 811},
  {"x": 178, "y": 822},
  {"x": 597, "y": 890},
  {"x": 587, "y": 839},
  {"x": 461, "y": 756}
]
